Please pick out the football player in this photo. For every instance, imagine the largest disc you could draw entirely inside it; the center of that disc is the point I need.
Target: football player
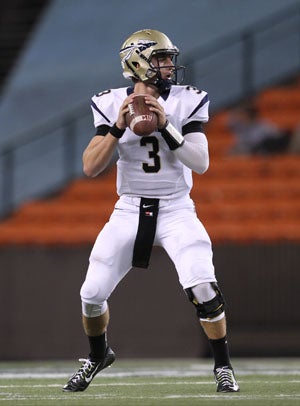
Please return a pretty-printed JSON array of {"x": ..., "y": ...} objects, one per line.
[{"x": 154, "y": 179}]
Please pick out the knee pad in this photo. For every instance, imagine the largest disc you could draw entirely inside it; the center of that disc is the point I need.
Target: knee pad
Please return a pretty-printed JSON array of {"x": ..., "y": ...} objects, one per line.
[
  {"x": 210, "y": 310},
  {"x": 93, "y": 310},
  {"x": 203, "y": 292}
]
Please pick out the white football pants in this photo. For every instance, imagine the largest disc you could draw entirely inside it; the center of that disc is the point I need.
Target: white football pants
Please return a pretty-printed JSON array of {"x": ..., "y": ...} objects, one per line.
[{"x": 178, "y": 231}]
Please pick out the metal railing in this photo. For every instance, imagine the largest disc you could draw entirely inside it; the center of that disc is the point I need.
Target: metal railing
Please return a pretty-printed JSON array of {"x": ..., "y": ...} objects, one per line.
[
  {"x": 44, "y": 159},
  {"x": 241, "y": 64},
  {"x": 17, "y": 159}
]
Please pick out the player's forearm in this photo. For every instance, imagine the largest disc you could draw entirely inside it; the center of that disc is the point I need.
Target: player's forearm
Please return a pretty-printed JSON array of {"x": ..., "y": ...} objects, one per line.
[
  {"x": 194, "y": 152},
  {"x": 98, "y": 155}
]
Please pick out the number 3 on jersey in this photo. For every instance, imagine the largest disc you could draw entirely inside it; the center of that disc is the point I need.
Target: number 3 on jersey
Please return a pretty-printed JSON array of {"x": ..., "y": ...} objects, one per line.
[{"x": 153, "y": 154}]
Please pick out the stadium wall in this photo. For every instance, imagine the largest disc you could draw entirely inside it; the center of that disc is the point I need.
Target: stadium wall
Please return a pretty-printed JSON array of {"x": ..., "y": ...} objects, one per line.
[{"x": 151, "y": 317}]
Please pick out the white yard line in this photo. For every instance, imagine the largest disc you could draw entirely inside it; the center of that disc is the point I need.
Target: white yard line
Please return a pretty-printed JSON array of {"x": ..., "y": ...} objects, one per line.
[
  {"x": 110, "y": 397},
  {"x": 211, "y": 382},
  {"x": 172, "y": 373}
]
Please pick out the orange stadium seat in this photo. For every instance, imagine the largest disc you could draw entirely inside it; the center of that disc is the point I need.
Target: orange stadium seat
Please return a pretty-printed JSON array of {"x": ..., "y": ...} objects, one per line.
[{"x": 280, "y": 98}]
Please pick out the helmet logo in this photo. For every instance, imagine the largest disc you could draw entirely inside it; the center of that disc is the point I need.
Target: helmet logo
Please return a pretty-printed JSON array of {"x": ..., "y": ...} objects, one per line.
[{"x": 141, "y": 45}]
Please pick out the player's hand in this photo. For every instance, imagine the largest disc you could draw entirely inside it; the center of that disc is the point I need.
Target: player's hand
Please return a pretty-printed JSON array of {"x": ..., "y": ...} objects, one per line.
[
  {"x": 121, "y": 120},
  {"x": 156, "y": 108}
]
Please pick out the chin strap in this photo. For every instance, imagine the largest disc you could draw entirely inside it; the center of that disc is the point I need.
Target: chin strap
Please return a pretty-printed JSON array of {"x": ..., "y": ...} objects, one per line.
[{"x": 163, "y": 85}]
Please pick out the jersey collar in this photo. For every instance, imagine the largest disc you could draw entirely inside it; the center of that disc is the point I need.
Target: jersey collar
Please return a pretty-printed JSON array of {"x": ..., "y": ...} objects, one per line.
[{"x": 164, "y": 95}]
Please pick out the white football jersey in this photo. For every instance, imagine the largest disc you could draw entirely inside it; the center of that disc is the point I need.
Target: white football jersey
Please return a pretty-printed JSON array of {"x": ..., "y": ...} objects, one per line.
[{"x": 146, "y": 166}]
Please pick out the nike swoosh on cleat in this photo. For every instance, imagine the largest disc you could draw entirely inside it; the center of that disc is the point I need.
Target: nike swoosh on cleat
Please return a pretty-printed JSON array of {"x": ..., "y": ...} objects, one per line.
[{"x": 88, "y": 379}]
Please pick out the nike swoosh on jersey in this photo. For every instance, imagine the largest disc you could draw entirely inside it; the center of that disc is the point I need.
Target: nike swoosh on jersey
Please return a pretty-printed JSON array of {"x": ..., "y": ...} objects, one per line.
[{"x": 146, "y": 206}]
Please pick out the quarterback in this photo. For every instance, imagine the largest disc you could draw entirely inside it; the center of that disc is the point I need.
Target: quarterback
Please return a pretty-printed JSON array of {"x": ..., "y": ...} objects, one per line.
[{"x": 154, "y": 180}]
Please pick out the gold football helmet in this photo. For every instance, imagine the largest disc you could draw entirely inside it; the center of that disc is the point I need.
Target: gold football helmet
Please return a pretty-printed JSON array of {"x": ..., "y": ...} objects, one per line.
[{"x": 139, "y": 48}]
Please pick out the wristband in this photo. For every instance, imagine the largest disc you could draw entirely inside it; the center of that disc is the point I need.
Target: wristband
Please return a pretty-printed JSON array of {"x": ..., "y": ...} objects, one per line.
[
  {"x": 116, "y": 131},
  {"x": 172, "y": 136}
]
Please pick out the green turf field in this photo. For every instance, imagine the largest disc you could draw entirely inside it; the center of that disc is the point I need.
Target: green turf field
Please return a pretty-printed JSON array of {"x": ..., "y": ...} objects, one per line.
[{"x": 162, "y": 382}]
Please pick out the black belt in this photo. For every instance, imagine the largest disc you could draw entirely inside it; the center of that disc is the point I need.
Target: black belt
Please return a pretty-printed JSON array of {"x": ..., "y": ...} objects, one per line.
[{"x": 145, "y": 233}]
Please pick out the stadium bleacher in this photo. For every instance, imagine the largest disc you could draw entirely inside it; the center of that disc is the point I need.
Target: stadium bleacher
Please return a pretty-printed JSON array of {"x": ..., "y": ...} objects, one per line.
[{"x": 240, "y": 199}]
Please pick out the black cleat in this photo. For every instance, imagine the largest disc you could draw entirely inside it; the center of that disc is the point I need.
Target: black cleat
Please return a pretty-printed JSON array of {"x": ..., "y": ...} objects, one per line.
[
  {"x": 85, "y": 374},
  {"x": 225, "y": 380}
]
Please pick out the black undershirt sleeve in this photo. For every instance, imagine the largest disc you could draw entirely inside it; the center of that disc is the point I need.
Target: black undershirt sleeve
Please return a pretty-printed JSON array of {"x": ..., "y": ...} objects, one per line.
[{"x": 192, "y": 127}]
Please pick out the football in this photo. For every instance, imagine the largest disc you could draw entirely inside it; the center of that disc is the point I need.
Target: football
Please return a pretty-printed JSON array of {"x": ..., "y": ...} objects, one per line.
[{"x": 140, "y": 119}]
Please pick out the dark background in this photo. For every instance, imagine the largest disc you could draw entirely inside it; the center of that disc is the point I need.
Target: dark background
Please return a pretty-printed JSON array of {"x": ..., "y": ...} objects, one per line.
[{"x": 150, "y": 314}]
